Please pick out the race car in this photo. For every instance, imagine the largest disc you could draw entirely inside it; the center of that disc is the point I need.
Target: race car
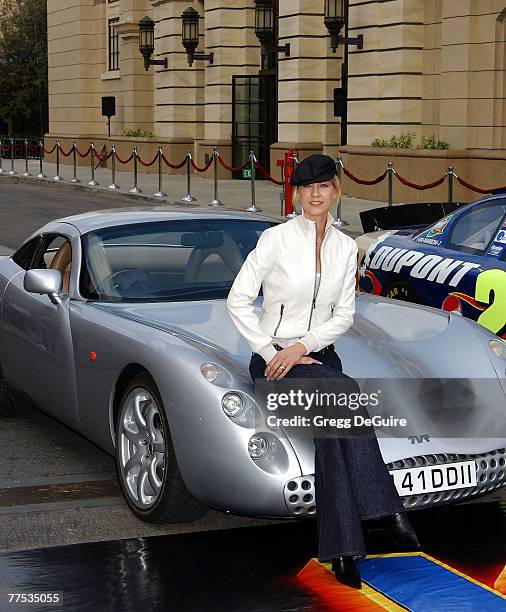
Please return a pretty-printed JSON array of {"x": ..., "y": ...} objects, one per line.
[{"x": 457, "y": 264}]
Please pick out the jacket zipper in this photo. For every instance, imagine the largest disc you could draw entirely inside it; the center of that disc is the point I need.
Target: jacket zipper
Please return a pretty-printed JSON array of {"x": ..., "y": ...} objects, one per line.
[
  {"x": 280, "y": 317},
  {"x": 313, "y": 303},
  {"x": 332, "y": 310}
]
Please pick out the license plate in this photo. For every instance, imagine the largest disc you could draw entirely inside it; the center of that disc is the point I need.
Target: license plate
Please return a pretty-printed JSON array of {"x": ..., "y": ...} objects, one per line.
[{"x": 432, "y": 478}]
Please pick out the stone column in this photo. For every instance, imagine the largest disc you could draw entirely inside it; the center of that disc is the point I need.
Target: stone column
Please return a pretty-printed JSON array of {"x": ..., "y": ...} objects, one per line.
[
  {"x": 229, "y": 33},
  {"x": 137, "y": 83}
]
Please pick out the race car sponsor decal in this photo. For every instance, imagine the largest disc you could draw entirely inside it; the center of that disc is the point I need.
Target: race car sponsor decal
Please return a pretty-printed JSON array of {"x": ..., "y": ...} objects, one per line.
[
  {"x": 501, "y": 236},
  {"x": 431, "y": 241},
  {"x": 432, "y": 236},
  {"x": 495, "y": 250},
  {"x": 431, "y": 267}
]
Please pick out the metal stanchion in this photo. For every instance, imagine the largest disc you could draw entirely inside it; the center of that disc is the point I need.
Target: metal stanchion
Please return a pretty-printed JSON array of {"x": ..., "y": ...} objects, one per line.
[
  {"x": 41, "y": 174},
  {"x": 92, "y": 182},
  {"x": 252, "y": 164},
  {"x": 338, "y": 221},
  {"x": 188, "y": 197},
  {"x": 160, "y": 194},
  {"x": 25, "y": 144},
  {"x": 57, "y": 178},
  {"x": 12, "y": 171},
  {"x": 215, "y": 201},
  {"x": 1, "y": 158},
  {"x": 74, "y": 178},
  {"x": 450, "y": 184},
  {"x": 135, "y": 188},
  {"x": 390, "y": 177},
  {"x": 113, "y": 186}
]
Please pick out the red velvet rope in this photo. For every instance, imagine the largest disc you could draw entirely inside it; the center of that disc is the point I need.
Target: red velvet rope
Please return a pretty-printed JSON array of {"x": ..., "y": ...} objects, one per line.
[
  {"x": 83, "y": 155},
  {"x": 362, "y": 181},
  {"x": 474, "y": 188},
  {"x": 124, "y": 161},
  {"x": 104, "y": 158},
  {"x": 146, "y": 165},
  {"x": 63, "y": 152},
  {"x": 204, "y": 168},
  {"x": 405, "y": 181},
  {"x": 173, "y": 166},
  {"x": 231, "y": 168},
  {"x": 49, "y": 152},
  {"x": 266, "y": 174}
]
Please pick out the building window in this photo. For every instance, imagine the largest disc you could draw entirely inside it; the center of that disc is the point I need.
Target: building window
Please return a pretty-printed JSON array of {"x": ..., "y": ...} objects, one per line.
[{"x": 113, "y": 45}]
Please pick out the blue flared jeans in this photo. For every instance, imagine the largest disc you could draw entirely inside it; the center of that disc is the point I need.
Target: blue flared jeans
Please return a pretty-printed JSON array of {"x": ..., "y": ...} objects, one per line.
[{"x": 351, "y": 479}]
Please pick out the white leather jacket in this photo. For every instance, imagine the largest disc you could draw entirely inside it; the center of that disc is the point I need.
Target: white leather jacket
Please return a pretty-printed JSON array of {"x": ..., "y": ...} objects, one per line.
[{"x": 284, "y": 263}]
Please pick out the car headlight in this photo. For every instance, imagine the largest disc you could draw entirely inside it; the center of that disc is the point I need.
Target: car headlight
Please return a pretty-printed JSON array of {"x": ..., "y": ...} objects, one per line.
[
  {"x": 498, "y": 347},
  {"x": 258, "y": 446},
  {"x": 209, "y": 371},
  {"x": 232, "y": 404}
]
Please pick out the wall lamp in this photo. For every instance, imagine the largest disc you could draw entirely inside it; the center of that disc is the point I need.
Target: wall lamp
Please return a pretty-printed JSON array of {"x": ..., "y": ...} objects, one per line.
[
  {"x": 264, "y": 28},
  {"x": 336, "y": 15},
  {"x": 190, "y": 36},
  {"x": 147, "y": 43}
]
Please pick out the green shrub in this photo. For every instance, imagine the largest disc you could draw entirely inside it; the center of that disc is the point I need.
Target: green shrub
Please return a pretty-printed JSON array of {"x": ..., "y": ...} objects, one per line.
[
  {"x": 138, "y": 132},
  {"x": 431, "y": 142},
  {"x": 407, "y": 141}
]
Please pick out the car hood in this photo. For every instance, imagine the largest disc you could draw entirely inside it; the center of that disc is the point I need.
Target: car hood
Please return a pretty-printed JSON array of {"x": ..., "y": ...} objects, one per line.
[
  {"x": 208, "y": 321},
  {"x": 388, "y": 339}
]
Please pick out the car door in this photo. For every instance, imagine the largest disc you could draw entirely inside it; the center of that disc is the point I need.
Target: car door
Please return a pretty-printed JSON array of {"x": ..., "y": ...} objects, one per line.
[
  {"x": 478, "y": 237},
  {"x": 37, "y": 334}
]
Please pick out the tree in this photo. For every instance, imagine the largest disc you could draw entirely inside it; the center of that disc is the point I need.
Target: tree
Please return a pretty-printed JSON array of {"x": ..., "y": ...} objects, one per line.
[{"x": 23, "y": 67}]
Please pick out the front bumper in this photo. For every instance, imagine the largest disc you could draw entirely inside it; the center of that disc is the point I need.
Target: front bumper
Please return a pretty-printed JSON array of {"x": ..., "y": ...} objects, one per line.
[{"x": 300, "y": 500}]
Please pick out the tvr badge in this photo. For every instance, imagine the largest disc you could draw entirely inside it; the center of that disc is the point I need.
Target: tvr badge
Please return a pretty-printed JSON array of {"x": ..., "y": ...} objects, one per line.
[{"x": 419, "y": 439}]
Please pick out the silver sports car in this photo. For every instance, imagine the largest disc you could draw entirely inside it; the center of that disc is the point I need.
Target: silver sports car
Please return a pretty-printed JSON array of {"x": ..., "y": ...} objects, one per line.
[{"x": 115, "y": 323}]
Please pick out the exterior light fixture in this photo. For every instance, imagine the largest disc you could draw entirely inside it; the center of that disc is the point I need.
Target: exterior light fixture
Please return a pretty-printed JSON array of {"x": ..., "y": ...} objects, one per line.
[
  {"x": 264, "y": 28},
  {"x": 336, "y": 16},
  {"x": 190, "y": 36},
  {"x": 147, "y": 43}
]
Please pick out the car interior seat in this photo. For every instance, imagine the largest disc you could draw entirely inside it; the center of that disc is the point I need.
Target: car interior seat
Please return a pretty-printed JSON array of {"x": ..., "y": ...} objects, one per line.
[{"x": 62, "y": 262}]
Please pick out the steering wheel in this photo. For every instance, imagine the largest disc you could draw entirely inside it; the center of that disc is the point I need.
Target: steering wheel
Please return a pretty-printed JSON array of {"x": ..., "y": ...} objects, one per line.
[{"x": 130, "y": 280}]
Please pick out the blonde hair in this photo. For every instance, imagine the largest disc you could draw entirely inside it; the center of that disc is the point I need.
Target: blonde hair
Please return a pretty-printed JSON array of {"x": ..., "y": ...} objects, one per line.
[{"x": 334, "y": 180}]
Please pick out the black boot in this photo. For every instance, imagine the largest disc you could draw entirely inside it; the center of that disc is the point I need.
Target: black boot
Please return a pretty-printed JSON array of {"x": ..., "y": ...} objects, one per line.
[
  {"x": 401, "y": 532},
  {"x": 346, "y": 572}
]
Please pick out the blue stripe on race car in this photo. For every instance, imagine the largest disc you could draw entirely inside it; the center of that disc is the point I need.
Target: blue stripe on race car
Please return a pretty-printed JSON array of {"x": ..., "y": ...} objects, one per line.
[{"x": 421, "y": 584}]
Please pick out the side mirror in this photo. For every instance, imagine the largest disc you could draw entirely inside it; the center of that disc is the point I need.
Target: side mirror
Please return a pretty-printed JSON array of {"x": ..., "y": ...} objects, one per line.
[{"x": 47, "y": 282}]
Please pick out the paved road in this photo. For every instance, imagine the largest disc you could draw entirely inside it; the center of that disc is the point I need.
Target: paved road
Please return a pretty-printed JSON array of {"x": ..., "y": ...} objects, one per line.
[{"x": 27, "y": 206}]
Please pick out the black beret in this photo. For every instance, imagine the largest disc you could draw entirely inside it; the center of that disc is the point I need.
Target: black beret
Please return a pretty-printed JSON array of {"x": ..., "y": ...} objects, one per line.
[{"x": 313, "y": 169}]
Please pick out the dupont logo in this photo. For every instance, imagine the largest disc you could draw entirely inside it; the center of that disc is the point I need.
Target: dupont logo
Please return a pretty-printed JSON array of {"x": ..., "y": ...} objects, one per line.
[{"x": 419, "y": 439}]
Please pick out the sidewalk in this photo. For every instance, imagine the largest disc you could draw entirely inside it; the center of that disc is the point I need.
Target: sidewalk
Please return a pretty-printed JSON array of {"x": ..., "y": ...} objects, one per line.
[{"x": 233, "y": 193}]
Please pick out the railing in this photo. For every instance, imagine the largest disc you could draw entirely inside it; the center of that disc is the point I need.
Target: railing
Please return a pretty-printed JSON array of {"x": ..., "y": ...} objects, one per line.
[{"x": 24, "y": 149}]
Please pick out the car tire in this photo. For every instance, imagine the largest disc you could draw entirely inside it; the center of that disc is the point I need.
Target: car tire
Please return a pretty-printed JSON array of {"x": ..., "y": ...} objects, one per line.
[
  {"x": 161, "y": 495},
  {"x": 10, "y": 404},
  {"x": 401, "y": 290}
]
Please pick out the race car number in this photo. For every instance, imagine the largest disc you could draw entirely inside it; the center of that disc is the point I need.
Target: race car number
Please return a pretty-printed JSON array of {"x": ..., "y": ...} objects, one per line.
[{"x": 494, "y": 317}]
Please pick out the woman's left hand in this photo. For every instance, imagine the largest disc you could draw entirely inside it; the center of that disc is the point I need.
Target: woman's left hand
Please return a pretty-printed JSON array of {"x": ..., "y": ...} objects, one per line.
[{"x": 287, "y": 357}]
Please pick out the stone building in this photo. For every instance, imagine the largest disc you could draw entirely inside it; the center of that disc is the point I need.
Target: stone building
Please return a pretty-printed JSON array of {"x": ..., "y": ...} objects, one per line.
[{"x": 426, "y": 66}]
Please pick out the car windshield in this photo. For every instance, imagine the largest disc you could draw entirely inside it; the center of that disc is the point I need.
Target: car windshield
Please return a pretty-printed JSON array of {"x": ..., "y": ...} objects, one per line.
[{"x": 166, "y": 260}]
